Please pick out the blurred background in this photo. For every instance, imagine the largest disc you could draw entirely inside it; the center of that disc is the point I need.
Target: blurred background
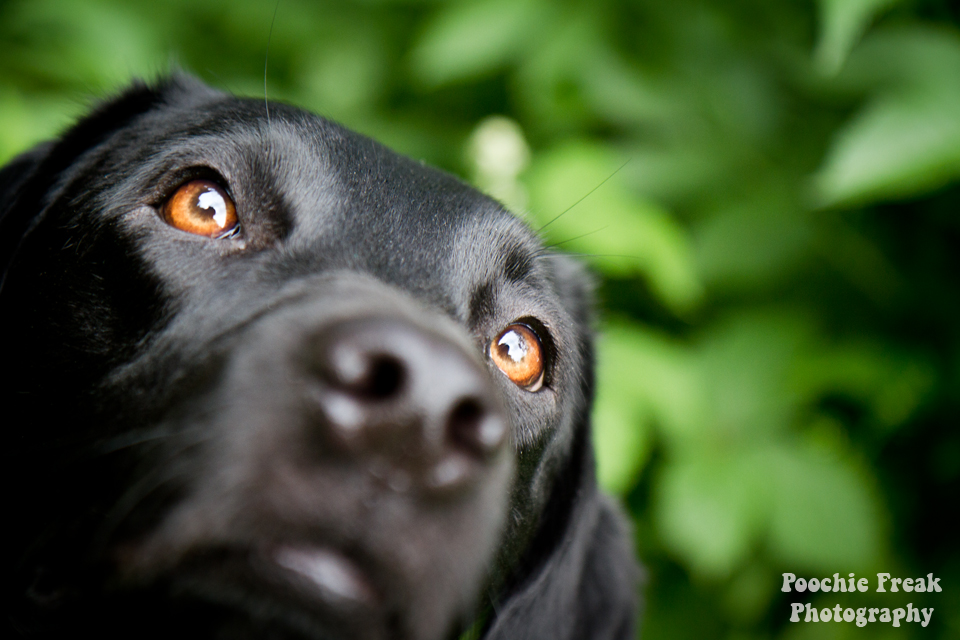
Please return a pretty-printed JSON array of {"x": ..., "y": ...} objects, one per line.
[{"x": 768, "y": 192}]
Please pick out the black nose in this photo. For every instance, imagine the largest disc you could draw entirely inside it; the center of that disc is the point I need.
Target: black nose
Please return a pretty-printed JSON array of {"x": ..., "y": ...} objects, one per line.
[{"x": 411, "y": 404}]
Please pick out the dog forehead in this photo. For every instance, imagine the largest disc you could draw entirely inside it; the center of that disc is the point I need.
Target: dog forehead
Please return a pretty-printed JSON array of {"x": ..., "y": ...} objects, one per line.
[
  {"x": 335, "y": 199},
  {"x": 330, "y": 174},
  {"x": 352, "y": 200}
]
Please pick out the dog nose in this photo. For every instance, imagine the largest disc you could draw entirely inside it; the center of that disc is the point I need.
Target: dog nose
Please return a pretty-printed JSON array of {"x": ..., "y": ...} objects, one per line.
[{"x": 414, "y": 405}]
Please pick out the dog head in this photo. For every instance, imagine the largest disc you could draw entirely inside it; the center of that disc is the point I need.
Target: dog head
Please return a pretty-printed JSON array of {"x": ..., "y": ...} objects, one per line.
[{"x": 268, "y": 374}]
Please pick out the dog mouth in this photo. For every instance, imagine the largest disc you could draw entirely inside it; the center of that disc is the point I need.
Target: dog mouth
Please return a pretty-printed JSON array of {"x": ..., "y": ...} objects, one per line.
[
  {"x": 315, "y": 576},
  {"x": 326, "y": 574},
  {"x": 314, "y": 584}
]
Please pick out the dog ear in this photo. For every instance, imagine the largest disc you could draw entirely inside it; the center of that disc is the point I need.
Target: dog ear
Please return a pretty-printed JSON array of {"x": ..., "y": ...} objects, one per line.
[
  {"x": 584, "y": 589},
  {"x": 27, "y": 181}
]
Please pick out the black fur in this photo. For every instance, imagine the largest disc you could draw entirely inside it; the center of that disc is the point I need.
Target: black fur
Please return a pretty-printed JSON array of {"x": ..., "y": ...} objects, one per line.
[{"x": 171, "y": 442}]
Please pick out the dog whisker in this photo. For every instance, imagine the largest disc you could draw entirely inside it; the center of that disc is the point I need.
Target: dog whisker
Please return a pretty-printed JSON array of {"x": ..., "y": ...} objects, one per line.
[
  {"x": 130, "y": 440},
  {"x": 584, "y": 235},
  {"x": 125, "y": 505},
  {"x": 587, "y": 195},
  {"x": 266, "y": 58},
  {"x": 590, "y": 255}
]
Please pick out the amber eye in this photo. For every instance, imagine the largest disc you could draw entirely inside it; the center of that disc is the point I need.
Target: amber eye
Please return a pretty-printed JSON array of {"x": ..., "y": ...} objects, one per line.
[
  {"x": 203, "y": 208},
  {"x": 518, "y": 353}
]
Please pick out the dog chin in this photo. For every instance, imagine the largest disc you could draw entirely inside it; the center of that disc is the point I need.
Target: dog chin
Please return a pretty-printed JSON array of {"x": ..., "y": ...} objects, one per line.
[{"x": 293, "y": 590}]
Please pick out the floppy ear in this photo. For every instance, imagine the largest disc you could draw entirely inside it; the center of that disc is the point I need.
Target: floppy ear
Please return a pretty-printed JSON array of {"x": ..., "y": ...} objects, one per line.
[
  {"x": 587, "y": 588},
  {"x": 27, "y": 181}
]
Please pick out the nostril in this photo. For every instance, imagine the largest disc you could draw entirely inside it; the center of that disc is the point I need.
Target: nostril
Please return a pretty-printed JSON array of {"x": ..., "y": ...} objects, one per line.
[
  {"x": 384, "y": 379},
  {"x": 364, "y": 374},
  {"x": 465, "y": 416},
  {"x": 471, "y": 426}
]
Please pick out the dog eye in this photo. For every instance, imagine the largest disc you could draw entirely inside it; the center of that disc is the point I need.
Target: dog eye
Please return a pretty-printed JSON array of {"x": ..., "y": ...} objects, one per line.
[
  {"x": 203, "y": 208},
  {"x": 518, "y": 353}
]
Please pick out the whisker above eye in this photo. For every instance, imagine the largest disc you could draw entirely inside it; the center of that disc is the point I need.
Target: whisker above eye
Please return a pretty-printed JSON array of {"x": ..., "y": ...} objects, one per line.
[
  {"x": 266, "y": 58},
  {"x": 587, "y": 195},
  {"x": 584, "y": 235}
]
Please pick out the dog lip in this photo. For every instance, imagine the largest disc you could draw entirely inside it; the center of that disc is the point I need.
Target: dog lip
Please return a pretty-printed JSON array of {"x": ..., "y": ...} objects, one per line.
[{"x": 331, "y": 574}]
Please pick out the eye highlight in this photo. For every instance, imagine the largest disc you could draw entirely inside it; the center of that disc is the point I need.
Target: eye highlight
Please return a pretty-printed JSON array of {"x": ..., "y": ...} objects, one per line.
[
  {"x": 203, "y": 208},
  {"x": 518, "y": 353}
]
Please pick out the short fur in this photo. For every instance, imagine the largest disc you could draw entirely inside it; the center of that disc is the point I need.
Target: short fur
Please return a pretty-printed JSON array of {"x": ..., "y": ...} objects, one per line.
[{"x": 163, "y": 433}]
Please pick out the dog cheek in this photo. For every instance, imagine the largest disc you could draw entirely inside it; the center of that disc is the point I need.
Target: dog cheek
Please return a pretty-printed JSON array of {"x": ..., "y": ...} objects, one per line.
[{"x": 83, "y": 305}]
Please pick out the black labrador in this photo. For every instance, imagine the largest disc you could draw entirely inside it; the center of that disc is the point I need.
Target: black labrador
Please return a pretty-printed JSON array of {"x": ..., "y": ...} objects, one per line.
[{"x": 269, "y": 379}]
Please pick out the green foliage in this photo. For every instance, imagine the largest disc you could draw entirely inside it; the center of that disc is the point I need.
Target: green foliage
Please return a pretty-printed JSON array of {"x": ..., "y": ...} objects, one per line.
[
  {"x": 842, "y": 24},
  {"x": 631, "y": 235},
  {"x": 767, "y": 190},
  {"x": 906, "y": 139},
  {"x": 473, "y": 39}
]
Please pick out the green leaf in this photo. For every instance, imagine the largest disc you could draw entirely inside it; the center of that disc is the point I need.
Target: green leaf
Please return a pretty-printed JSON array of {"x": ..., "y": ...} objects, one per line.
[
  {"x": 899, "y": 146},
  {"x": 906, "y": 140},
  {"x": 842, "y": 22},
  {"x": 644, "y": 381},
  {"x": 621, "y": 441},
  {"x": 628, "y": 361},
  {"x": 470, "y": 39},
  {"x": 97, "y": 45},
  {"x": 753, "y": 245},
  {"x": 746, "y": 360},
  {"x": 709, "y": 506},
  {"x": 890, "y": 386},
  {"x": 824, "y": 515},
  {"x": 581, "y": 204},
  {"x": 29, "y": 119},
  {"x": 344, "y": 76}
]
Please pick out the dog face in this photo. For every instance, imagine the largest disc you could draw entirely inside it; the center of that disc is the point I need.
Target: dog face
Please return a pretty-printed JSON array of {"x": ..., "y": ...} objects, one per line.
[{"x": 272, "y": 379}]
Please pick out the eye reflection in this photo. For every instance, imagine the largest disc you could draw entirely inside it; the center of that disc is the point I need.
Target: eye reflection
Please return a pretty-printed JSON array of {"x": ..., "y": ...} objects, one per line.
[
  {"x": 517, "y": 352},
  {"x": 210, "y": 199},
  {"x": 516, "y": 346}
]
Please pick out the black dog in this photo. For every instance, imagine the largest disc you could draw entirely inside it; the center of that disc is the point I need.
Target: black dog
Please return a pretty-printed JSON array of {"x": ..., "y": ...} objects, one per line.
[{"x": 269, "y": 379}]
